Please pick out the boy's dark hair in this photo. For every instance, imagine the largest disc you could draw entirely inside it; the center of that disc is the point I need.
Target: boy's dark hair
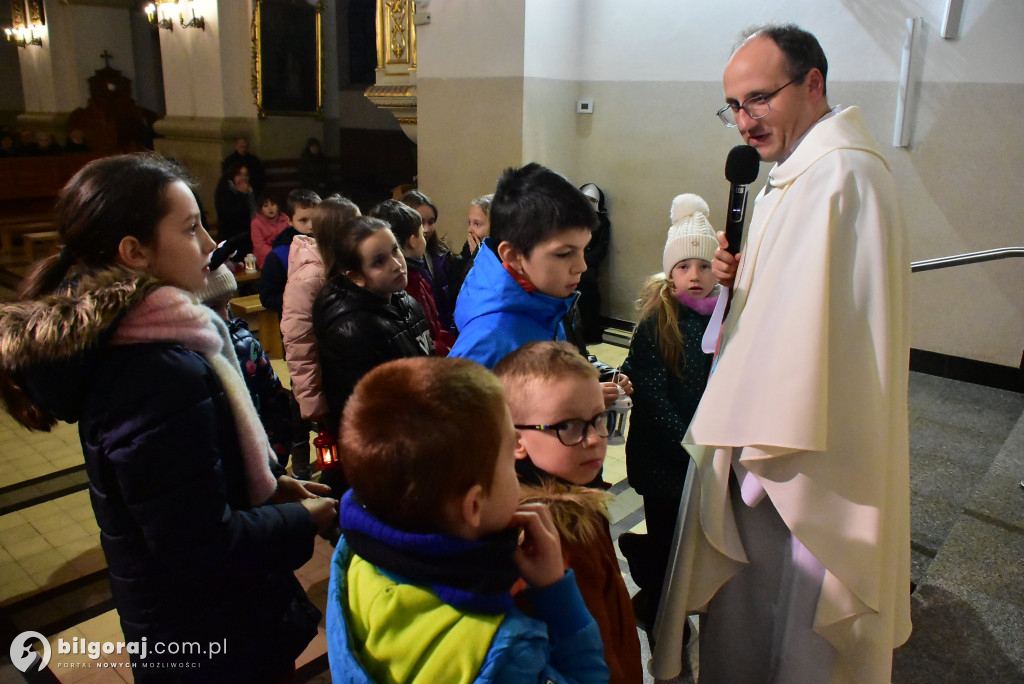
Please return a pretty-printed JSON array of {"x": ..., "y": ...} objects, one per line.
[
  {"x": 307, "y": 199},
  {"x": 539, "y": 361},
  {"x": 532, "y": 203},
  {"x": 403, "y": 219},
  {"x": 329, "y": 220},
  {"x": 802, "y": 50},
  {"x": 407, "y": 471}
]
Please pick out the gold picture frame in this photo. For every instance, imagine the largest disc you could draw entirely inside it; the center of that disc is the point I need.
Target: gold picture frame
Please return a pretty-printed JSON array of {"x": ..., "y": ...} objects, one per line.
[
  {"x": 19, "y": 16},
  {"x": 287, "y": 58}
]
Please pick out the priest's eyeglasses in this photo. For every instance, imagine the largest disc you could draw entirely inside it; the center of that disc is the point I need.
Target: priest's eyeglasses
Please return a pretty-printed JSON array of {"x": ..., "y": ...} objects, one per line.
[
  {"x": 756, "y": 107},
  {"x": 573, "y": 431}
]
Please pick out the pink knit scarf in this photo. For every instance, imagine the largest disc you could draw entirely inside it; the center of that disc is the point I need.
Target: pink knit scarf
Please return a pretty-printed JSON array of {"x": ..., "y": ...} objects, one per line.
[
  {"x": 169, "y": 314},
  {"x": 704, "y": 306}
]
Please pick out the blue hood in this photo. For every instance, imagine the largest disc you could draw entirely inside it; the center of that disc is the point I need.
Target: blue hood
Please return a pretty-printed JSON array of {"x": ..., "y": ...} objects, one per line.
[{"x": 495, "y": 315}]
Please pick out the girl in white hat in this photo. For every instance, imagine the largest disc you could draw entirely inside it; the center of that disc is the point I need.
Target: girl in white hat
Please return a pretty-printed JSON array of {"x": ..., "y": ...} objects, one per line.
[{"x": 669, "y": 370}]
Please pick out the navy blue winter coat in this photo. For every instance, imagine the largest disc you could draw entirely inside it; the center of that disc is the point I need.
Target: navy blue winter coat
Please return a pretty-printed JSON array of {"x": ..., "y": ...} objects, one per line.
[{"x": 189, "y": 559}]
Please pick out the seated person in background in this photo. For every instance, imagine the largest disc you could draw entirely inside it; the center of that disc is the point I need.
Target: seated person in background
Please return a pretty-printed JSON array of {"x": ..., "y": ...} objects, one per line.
[
  {"x": 407, "y": 226},
  {"x": 242, "y": 157},
  {"x": 557, "y": 406},
  {"x": 76, "y": 142},
  {"x": 7, "y": 148},
  {"x": 46, "y": 145},
  {"x": 314, "y": 168},
  {"x": 524, "y": 277},
  {"x": 27, "y": 145},
  {"x": 266, "y": 225},
  {"x": 236, "y": 205},
  {"x": 274, "y": 277},
  {"x": 269, "y": 397},
  {"x": 420, "y": 581}
]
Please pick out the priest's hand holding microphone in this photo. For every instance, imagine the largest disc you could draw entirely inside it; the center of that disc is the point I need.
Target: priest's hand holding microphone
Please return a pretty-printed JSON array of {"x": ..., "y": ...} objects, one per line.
[{"x": 741, "y": 168}]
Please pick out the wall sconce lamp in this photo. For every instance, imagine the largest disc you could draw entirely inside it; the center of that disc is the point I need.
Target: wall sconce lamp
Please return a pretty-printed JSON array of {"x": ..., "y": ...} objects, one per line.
[
  {"x": 161, "y": 14},
  {"x": 23, "y": 36}
]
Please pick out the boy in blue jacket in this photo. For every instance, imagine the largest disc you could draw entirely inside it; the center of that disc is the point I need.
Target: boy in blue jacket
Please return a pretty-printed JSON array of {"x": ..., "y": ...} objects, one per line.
[
  {"x": 524, "y": 283},
  {"x": 434, "y": 539},
  {"x": 523, "y": 287}
]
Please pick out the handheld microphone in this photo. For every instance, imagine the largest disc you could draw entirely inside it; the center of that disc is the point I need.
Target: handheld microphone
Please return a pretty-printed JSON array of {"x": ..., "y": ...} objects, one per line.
[{"x": 741, "y": 169}]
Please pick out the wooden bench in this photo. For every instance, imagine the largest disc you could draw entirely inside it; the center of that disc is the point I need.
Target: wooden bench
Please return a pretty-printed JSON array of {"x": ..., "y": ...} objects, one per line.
[
  {"x": 11, "y": 228},
  {"x": 50, "y": 239},
  {"x": 268, "y": 328}
]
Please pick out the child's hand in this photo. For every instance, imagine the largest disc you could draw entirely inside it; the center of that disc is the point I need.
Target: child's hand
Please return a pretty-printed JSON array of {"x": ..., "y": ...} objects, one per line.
[
  {"x": 289, "y": 490},
  {"x": 610, "y": 393},
  {"x": 539, "y": 556},
  {"x": 610, "y": 390},
  {"x": 474, "y": 241},
  {"x": 724, "y": 265},
  {"x": 324, "y": 512}
]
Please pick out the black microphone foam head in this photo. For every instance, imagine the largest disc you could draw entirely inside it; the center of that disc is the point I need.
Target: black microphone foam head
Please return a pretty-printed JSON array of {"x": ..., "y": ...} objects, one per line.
[{"x": 742, "y": 165}]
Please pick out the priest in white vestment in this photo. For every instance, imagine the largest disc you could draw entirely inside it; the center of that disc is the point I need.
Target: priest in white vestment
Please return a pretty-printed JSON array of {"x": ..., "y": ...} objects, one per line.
[{"x": 794, "y": 538}]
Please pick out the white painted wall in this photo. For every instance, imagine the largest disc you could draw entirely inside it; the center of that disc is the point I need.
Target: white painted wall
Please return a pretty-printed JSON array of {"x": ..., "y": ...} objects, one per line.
[
  {"x": 472, "y": 39},
  {"x": 654, "y": 69},
  {"x": 208, "y": 73},
  {"x": 553, "y": 41},
  {"x": 657, "y": 40}
]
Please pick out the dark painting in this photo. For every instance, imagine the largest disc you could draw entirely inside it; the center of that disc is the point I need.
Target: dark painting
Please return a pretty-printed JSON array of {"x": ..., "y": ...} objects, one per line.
[{"x": 289, "y": 57}]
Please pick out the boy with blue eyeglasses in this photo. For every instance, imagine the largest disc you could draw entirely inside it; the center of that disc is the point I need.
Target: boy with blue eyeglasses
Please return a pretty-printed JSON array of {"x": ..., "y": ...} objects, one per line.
[{"x": 558, "y": 408}]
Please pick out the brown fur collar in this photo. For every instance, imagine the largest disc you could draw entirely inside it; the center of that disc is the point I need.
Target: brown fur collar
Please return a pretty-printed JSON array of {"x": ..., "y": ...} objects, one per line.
[
  {"x": 579, "y": 512},
  {"x": 63, "y": 324}
]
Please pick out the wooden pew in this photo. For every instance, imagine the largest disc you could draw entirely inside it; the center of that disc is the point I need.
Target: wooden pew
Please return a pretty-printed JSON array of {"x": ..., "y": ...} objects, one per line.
[{"x": 268, "y": 328}]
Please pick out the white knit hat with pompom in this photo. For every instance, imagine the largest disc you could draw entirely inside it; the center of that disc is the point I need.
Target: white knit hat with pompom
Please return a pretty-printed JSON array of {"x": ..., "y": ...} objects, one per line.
[{"x": 691, "y": 235}]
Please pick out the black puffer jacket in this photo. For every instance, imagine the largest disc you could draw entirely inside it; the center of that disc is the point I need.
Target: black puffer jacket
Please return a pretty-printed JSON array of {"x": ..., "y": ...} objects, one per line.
[
  {"x": 190, "y": 559},
  {"x": 357, "y": 331}
]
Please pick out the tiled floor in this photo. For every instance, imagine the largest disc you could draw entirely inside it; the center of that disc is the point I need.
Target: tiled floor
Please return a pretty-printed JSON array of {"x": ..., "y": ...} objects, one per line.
[
  {"x": 53, "y": 573},
  {"x": 967, "y": 457}
]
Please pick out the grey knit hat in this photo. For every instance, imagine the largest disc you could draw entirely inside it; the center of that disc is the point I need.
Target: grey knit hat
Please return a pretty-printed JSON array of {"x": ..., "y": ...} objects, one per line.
[{"x": 219, "y": 283}]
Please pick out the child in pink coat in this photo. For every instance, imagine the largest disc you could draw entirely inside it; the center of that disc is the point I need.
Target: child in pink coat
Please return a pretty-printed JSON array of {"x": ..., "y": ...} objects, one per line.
[
  {"x": 266, "y": 225},
  {"x": 306, "y": 277}
]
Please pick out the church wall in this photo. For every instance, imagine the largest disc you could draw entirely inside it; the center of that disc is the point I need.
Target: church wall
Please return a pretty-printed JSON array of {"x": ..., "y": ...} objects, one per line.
[
  {"x": 963, "y": 161},
  {"x": 469, "y": 130},
  {"x": 654, "y": 72},
  {"x": 470, "y": 103}
]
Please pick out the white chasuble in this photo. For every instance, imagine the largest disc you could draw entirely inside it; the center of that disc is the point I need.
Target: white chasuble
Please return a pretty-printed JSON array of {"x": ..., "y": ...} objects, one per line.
[{"x": 811, "y": 386}]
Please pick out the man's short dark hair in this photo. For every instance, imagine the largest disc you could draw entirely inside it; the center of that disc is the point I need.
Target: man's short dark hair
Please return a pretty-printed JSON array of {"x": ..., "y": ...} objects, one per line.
[
  {"x": 532, "y": 203},
  {"x": 803, "y": 51}
]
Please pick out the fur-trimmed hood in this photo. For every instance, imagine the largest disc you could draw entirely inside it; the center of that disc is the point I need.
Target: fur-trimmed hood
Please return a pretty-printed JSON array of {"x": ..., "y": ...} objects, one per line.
[
  {"x": 48, "y": 345},
  {"x": 578, "y": 512},
  {"x": 63, "y": 325}
]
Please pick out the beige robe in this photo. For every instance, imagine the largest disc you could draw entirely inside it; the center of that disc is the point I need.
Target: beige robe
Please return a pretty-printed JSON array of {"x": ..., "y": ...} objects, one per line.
[{"x": 811, "y": 384}]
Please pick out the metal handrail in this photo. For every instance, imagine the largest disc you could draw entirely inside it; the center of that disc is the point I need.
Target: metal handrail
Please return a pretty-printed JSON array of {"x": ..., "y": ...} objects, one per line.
[{"x": 969, "y": 258}]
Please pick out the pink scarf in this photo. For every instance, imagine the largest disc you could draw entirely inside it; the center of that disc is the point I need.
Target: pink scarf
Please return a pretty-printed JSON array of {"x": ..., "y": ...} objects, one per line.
[
  {"x": 169, "y": 314},
  {"x": 703, "y": 306}
]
